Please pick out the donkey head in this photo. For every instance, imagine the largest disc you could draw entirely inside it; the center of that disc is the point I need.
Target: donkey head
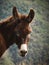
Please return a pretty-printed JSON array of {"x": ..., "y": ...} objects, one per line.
[{"x": 22, "y": 30}]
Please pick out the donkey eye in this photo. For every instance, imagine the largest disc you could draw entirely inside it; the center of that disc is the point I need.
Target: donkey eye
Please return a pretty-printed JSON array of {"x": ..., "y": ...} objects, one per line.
[{"x": 17, "y": 34}]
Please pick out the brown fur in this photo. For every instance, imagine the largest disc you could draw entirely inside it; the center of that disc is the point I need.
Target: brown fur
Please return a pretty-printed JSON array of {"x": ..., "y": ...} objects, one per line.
[{"x": 9, "y": 27}]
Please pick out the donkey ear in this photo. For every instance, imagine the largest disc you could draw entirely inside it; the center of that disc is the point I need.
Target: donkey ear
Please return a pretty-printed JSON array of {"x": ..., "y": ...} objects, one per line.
[
  {"x": 15, "y": 13},
  {"x": 30, "y": 16}
]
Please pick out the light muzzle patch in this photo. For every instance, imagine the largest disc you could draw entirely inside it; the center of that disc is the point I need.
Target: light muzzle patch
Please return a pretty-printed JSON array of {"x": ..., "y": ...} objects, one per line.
[{"x": 23, "y": 47}]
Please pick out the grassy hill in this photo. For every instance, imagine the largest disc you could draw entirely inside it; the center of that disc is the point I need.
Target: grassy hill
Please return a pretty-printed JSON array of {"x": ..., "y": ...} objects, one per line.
[{"x": 38, "y": 47}]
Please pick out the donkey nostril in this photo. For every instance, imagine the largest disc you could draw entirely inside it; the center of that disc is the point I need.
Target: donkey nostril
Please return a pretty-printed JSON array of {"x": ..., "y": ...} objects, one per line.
[{"x": 23, "y": 53}]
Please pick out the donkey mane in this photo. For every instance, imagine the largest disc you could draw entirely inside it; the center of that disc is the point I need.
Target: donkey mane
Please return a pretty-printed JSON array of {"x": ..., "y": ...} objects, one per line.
[{"x": 5, "y": 20}]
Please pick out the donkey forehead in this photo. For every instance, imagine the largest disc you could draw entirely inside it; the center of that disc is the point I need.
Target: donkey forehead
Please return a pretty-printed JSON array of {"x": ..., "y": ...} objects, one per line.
[
  {"x": 22, "y": 16},
  {"x": 23, "y": 29},
  {"x": 23, "y": 25}
]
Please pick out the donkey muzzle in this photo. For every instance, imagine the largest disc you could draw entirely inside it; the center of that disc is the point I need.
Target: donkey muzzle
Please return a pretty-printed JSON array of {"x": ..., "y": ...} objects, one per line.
[{"x": 23, "y": 50}]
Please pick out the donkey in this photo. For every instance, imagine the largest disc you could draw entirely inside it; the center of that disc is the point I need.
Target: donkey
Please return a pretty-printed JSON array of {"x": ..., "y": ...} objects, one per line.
[{"x": 16, "y": 29}]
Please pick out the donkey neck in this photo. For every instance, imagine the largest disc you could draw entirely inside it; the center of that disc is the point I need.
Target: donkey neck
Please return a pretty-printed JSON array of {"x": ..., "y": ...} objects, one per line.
[
  {"x": 5, "y": 43},
  {"x": 5, "y": 35}
]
